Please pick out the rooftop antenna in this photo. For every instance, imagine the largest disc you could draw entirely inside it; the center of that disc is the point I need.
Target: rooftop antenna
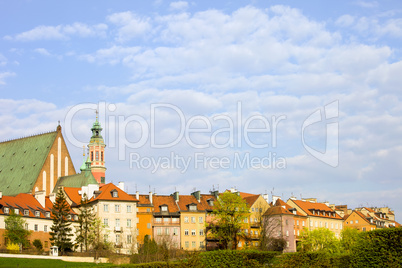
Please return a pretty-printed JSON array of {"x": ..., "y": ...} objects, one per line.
[{"x": 149, "y": 187}]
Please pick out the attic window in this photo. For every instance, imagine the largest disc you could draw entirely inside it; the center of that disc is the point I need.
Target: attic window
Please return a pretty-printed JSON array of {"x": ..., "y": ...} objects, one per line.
[
  {"x": 26, "y": 212},
  {"x": 16, "y": 211},
  {"x": 69, "y": 217},
  {"x": 323, "y": 213},
  {"x": 37, "y": 214},
  {"x": 164, "y": 208},
  {"x": 47, "y": 214},
  {"x": 6, "y": 210},
  {"x": 115, "y": 193},
  {"x": 192, "y": 207}
]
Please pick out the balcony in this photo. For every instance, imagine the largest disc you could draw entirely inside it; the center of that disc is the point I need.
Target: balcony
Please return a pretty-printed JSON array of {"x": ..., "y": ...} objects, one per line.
[{"x": 118, "y": 229}]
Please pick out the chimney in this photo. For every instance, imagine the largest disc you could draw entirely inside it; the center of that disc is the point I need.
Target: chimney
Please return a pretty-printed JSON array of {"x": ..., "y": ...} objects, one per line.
[
  {"x": 40, "y": 196},
  {"x": 326, "y": 203},
  {"x": 137, "y": 195},
  {"x": 176, "y": 196},
  {"x": 121, "y": 185},
  {"x": 52, "y": 197},
  {"x": 293, "y": 198},
  {"x": 233, "y": 190},
  {"x": 266, "y": 198},
  {"x": 215, "y": 193},
  {"x": 197, "y": 195},
  {"x": 274, "y": 198},
  {"x": 150, "y": 197}
]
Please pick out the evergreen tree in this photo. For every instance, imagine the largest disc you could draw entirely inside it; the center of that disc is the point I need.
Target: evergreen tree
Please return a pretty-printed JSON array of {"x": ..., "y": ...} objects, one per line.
[
  {"x": 61, "y": 230},
  {"x": 85, "y": 220},
  {"x": 15, "y": 231}
]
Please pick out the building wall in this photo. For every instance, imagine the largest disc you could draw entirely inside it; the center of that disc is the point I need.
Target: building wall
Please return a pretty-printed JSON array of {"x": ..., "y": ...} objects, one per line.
[
  {"x": 117, "y": 230},
  {"x": 144, "y": 225},
  {"x": 355, "y": 221},
  {"x": 334, "y": 225},
  {"x": 54, "y": 166},
  {"x": 192, "y": 221},
  {"x": 166, "y": 230}
]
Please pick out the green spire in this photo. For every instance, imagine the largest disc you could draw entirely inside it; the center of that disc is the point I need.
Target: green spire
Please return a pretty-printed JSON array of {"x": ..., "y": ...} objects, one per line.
[{"x": 96, "y": 129}]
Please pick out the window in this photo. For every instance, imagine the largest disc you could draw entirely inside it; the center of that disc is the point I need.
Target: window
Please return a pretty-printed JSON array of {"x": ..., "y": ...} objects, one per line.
[
  {"x": 128, "y": 222},
  {"x": 364, "y": 229},
  {"x": 37, "y": 214},
  {"x": 311, "y": 223},
  {"x": 26, "y": 226},
  {"x": 255, "y": 219},
  {"x": 351, "y": 222},
  {"x": 201, "y": 232},
  {"x": 252, "y": 209},
  {"x": 117, "y": 208},
  {"x": 16, "y": 211},
  {"x": 298, "y": 232},
  {"x": 246, "y": 231},
  {"x": 158, "y": 231},
  {"x": 115, "y": 193},
  {"x": 193, "y": 232},
  {"x": 187, "y": 244},
  {"x": 336, "y": 226},
  {"x": 36, "y": 227},
  {"x": 192, "y": 219},
  {"x": 45, "y": 228},
  {"x": 286, "y": 222},
  {"x": 246, "y": 220},
  {"x": 97, "y": 156},
  {"x": 129, "y": 239},
  {"x": 92, "y": 156},
  {"x": 128, "y": 208},
  {"x": 200, "y": 220},
  {"x": 165, "y": 220},
  {"x": 323, "y": 213},
  {"x": 166, "y": 231},
  {"x": 316, "y": 224},
  {"x": 186, "y": 232},
  {"x": 256, "y": 232},
  {"x": 332, "y": 225},
  {"x": 297, "y": 222},
  {"x": 158, "y": 219},
  {"x": 175, "y": 219},
  {"x": 303, "y": 223},
  {"x": 101, "y": 156},
  {"x": 106, "y": 222},
  {"x": 357, "y": 221},
  {"x": 192, "y": 207},
  {"x": 287, "y": 233},
  {"x": 148, "y": 210},
  {"x": 326, "y": 225},
  {"x": 148, "y": 226},
  {"x": 117, "y": 239},
  {"x": 175, "y": 231},
  {"x": 186, "y": 219},
  {"x": 118, "y": 223},
  {"x": 164, "y": 208},
  {"x": 106, "y": 208},
  {"x": 193, "y": 244},
  {"x": 202, "y": 244},
  {"x": 26, "y": 212}
]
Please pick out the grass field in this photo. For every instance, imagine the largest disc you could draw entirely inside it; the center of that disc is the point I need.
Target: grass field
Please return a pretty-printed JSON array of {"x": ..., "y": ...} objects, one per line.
[{"x": 36, "y": 263}]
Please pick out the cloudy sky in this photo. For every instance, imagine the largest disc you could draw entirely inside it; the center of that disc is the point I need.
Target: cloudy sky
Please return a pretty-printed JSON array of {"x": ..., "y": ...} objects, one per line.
[{"x": 278, "y": 97}]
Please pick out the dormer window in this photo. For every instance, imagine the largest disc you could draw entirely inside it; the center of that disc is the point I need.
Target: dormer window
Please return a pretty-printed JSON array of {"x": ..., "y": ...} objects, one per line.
[
  {"x": 192, "y": 207},
  {"x": 323, "y": 213},
  {"x": 115, "y": 193},
  {"x": 6, "y": 210},
  {"x": 69, "y": 217},
  {"x": 210, "y": 202},
  {"x": 318, "y": 212},
  {"x": 37, "y": 214},
  {"x": 16, "y": 211},
  {"x": 76, "y": 217},
  {"x": 164, "y": 208},
  {"x": 313, "y": 212},
  {"x": 26, "y": 212},
  {"x": 48, "y": 214}
]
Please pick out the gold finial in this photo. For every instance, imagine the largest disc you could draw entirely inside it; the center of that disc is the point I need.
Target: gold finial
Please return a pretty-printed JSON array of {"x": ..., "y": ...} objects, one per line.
[
  {"x": 96, "y": 111},
  {"x": 83, "y": 150}
]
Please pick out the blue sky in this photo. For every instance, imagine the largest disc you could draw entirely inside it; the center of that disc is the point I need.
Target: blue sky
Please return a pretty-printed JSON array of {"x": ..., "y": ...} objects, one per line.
[{"x": 192, "y": 69}]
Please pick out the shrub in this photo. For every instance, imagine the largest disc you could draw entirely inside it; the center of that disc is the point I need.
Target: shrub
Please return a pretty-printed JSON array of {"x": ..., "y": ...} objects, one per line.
[
  {"x": 312, "y": 259},
  {"x": 378, "y": 248},
  {"x": 13, "y": 247},
  {"x": 37, "y": 244}
]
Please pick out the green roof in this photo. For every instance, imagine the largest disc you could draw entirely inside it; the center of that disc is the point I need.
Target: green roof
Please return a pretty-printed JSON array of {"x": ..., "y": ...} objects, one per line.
[
  {"x": 77, "y": 181},
  {"x": 21, "y": 160}
]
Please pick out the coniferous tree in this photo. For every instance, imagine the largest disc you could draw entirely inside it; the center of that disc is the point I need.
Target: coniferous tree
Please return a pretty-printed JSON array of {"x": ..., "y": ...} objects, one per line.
[
  {"x": 85, "y": 220},
  {"x": 61, "y": 230}
]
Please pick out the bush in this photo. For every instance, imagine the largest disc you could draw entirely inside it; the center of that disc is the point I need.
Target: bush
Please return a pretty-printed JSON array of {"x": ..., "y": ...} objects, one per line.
[
  {"x": 14, "y": 248},
  {"x": 37, "y": 244},
  {"x": 312, "y": 259},
  {"x": 378, "y": 248}
]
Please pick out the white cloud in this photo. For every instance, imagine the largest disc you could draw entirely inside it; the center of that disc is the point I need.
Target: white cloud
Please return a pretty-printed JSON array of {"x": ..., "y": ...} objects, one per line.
[
  {"x": 367, "y": 4},
  {"x": 179, "y": 5},
  {"x": 130, "y": 24},
  {"x": 60, "y": 32},
  {"x": 43, "y": 51},
  {"x": 5, "y": 75}
]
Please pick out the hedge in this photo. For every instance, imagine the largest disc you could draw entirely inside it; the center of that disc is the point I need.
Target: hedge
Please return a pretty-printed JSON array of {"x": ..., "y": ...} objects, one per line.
[
  {"x": 312, "y": 259},
  {"x": 378, "y": 248}
]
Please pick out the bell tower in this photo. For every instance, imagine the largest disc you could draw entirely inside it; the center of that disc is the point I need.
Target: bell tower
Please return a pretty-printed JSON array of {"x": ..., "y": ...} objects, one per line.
[{"x": 96, "y": 148}]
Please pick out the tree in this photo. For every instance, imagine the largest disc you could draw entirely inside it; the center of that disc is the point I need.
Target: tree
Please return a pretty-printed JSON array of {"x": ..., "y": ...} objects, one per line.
[
  {"x": 85, "y": 220},
  {"x": 97, "y": 238},
  {"x": 38, "y": 244},
  {"x": 230, "y": 210},
  {"x": 61, "y": 230},
  {"x": 15, "y": 231},
  {"x": 271, "y": 223},
  {"x": 349, "y": 236},
  {"x": 321, "y": 239}
]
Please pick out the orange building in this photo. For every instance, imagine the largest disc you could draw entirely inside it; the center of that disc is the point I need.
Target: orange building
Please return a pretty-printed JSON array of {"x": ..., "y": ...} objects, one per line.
[
  {"x": 145, "y": 209},
  {"x": 359, "y": 221}
]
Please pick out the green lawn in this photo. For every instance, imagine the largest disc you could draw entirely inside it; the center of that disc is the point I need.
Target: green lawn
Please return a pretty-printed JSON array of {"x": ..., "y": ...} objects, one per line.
[{"x": 36, "y": 263}]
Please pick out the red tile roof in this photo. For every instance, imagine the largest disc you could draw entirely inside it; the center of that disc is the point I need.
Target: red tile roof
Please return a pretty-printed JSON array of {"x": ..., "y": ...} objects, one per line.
[
  {"x": 73, "y": 195},
  {"x": 308, "y": 207},
  {"x": 280, "y": 208},
  {"x": 106, "y": 194},
  {"x": 168, "y": 200}
]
